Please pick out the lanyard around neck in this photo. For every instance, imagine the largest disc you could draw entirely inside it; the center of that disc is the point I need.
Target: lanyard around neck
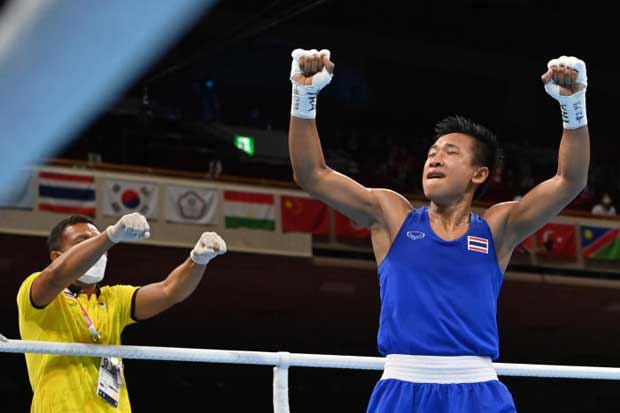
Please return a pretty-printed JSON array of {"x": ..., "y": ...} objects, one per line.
[{"x": 94, "y": 334}]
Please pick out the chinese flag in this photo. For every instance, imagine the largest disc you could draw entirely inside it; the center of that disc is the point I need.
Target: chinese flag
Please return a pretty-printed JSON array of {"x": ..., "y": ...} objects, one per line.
[
  {"x": 557, "y": 240},
  {"x": 345, "y": 228},
  {"x": 304, "y": 215}
]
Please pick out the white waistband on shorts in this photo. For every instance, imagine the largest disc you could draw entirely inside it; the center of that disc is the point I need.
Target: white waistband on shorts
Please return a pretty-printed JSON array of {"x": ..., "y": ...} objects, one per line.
[{"x": 439, "y": 369}]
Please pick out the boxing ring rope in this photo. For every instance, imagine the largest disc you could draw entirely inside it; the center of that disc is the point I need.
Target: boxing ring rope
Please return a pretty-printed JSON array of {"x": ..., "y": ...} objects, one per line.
[{"x": 281, "y": 360}]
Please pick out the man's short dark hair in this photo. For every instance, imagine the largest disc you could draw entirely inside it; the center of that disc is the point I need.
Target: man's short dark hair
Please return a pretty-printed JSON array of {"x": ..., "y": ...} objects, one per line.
[
  {"x": 54, "y": 240},
  {"x": 486, "y": 150}
]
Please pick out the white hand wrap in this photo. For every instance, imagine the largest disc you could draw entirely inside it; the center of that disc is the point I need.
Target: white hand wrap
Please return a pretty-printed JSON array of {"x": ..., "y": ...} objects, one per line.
[
  {"x": 209, "y": 246},
  {"x": 574, "y": 106},
  {"x": 304, "y": 96},
  {"x": 130, "y": 227}
]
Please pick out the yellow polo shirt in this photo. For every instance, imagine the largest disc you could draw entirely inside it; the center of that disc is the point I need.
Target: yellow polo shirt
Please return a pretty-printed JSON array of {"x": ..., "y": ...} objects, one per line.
[{"x": 67, "y": 383}]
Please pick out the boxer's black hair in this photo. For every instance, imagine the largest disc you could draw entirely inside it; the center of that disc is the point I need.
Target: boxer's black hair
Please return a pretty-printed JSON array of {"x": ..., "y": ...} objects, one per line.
[{"x": 487, "y": 151}]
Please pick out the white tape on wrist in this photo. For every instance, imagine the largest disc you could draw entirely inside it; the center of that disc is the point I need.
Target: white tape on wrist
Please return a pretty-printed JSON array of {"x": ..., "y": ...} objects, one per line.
[
  {"x": 303, "y": 104},
  {"x": 574, "y": 110}
]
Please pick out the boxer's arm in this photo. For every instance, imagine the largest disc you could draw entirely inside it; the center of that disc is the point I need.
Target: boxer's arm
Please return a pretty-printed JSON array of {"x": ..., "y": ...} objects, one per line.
[
  {"x": 549, "y": 198},
  {"x": 313, "y": 175},
  {"x": 311, "y": 72},
  {"x": 546, "y": 200}
]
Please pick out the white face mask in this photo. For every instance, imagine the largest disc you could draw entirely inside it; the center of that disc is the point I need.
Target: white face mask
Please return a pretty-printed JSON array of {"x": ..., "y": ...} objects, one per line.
[{"x": 95, "y": 273}]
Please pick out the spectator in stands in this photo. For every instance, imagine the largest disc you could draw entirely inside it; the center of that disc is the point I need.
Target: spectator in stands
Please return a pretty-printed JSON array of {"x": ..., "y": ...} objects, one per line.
[
  {"x": 498, "y": 185},
  {"x": 584, "y": 201},
  {"x": 399, "y": 166},
  {"x": 210, "y": 104},
  {"x": 66, "y": 303},
  {"x": 526, "y": 181},
  {"x": 215, "y": 168},
  {"x": 256, "y": 119},
  {"x": 604, "y": 207}
]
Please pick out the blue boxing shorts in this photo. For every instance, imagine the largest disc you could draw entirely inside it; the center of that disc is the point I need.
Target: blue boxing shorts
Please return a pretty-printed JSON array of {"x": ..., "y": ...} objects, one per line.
[{"x": 437, "y": 384}]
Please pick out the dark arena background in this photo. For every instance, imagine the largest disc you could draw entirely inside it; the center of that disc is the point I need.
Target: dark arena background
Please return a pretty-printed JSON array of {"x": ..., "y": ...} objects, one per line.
[{"x": 212, "y": 112}]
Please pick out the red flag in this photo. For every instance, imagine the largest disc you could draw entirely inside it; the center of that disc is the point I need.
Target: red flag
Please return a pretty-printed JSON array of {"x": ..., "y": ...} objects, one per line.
[
  {"x": 526, "y": 247},
  {"x": 346, "y": 228},
  {"x": 557, "y": 240},
  {"x": 304, "y": 215}
]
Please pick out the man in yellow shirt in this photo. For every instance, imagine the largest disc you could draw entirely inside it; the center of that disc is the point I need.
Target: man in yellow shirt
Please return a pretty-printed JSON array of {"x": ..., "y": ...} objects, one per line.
[{"x": 65, "y": 303}]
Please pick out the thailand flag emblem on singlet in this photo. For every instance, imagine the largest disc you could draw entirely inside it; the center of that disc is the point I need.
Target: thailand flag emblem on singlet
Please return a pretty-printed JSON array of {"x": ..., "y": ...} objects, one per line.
[{"x": 478, "y": 244}]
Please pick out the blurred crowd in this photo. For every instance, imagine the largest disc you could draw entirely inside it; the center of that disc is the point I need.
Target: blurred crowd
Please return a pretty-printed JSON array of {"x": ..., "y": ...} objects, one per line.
[
  {"x": 390, "y": 158},
  {"x": 378, "y": 157},
  {"x": 397, "y": 163}
]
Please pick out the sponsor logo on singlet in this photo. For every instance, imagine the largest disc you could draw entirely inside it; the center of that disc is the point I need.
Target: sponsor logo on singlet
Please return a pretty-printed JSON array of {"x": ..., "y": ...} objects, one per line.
[{"x": 415, "y": 235}]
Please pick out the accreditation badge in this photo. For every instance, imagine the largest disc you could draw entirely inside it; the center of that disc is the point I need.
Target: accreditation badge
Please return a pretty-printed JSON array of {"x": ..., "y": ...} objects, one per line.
[{"x": 110, "y": 380}]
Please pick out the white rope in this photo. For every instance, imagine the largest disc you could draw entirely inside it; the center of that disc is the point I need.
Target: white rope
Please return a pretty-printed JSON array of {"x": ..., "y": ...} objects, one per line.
[
  {"x": 281, "y": 361},
  {"x": 277, "y": 359}
]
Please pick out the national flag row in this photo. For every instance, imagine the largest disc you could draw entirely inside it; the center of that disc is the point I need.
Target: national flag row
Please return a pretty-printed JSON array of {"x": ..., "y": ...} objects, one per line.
[
  {"x": 76, "y": 194},
  {"x": 560, "y": 241}
]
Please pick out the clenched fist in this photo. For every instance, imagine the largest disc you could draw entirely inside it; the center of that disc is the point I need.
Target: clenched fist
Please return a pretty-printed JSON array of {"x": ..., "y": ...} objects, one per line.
[
  {"x": 130, "y": 227},
  {"x": 566, "y": 81},
  {"x": 311, "y": 71},
  {"x": 209, "y": 246},
  {"x": 308, "y": 65},
  {"x": 565, "y": 76}
]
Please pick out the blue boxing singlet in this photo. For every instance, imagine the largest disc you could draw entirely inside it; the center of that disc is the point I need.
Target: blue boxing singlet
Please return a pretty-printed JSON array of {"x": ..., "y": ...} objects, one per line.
[{"x": 439, "y": 297}]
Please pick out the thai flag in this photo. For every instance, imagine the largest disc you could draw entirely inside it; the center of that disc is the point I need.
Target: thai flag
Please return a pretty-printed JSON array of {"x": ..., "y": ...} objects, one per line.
[
  {"x": 68, "y": 194},
  {"x": 478, "y": 244}
]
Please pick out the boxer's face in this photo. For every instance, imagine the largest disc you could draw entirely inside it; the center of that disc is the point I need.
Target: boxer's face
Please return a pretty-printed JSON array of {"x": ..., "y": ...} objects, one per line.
[{"x": 449, "y": 170}]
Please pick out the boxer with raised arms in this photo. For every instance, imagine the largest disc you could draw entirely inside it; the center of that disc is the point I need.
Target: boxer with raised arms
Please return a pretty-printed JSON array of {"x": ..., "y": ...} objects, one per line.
[{"x": 441, "y": 266}]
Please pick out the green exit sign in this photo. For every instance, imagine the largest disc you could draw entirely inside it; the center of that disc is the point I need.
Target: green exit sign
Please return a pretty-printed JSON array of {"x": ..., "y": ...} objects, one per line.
[{"x": 245, "y": 143}]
